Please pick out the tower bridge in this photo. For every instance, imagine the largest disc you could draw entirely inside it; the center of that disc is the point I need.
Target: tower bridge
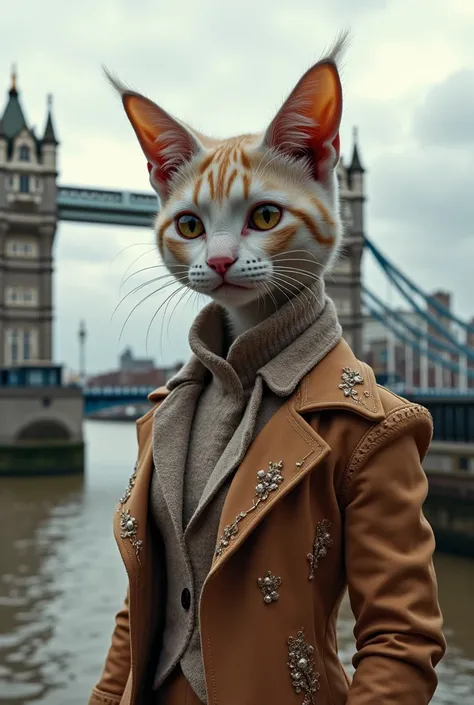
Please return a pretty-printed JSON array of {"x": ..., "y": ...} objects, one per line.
[{"x": 425, "y": 347}]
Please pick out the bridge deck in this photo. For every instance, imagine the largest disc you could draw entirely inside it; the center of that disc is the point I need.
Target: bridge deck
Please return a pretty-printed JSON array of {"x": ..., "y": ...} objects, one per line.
[{"x": 86, "y": 205}]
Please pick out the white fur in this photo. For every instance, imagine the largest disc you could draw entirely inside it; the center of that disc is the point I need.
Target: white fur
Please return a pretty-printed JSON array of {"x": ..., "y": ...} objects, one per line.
[{"x": 267, "y": 283}]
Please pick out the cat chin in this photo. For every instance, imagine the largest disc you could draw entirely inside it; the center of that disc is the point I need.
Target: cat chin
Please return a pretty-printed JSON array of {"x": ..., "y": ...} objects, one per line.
[{"x": 235, "y": 296}]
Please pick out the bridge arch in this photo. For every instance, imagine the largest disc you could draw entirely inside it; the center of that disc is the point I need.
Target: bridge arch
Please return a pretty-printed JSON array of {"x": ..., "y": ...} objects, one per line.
[{"x": 44, "y": 430}]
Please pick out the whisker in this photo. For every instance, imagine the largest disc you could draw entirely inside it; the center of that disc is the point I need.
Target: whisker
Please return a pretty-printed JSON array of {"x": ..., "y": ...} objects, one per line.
[
  {"x": 137, "y": 305},
  {"x": 173, "y": 293},
  {"x": 286, "y": 276},
  {"x": 169, "y": 320},
  {"x": 154, "y": 266},
  {"x": 270, "y": 293},
  {"x": 293, "y": 259},
  {"x": 189, "y": 293},
  {"x": 143, "y": 254},
  {"x": 141, "y": 286},
  {"x": 292, "y": 252},
  {"x": 135, "y": 244},
  {"x": 296, "y": 270},
  {"x": 299, "y": 290},
  {"x": 279, "y": 287}
]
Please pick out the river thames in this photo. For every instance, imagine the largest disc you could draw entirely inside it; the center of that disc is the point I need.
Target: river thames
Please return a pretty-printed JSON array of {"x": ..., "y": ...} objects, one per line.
[{"x": 62, "y": 581}]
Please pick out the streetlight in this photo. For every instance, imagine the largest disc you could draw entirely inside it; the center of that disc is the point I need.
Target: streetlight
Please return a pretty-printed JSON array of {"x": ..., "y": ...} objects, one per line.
[{"x": 82, "y": 333}]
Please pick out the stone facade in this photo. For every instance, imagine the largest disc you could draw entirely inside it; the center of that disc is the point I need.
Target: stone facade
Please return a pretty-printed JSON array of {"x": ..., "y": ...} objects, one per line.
[
  {"x": 343, "y": 282},
  {"x": 27, "y": 227},
  {"x": 23, "y": 408}
]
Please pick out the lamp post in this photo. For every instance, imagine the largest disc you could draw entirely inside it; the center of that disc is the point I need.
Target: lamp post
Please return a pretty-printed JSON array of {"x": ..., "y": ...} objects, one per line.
[{"x": 82, "y": 333}]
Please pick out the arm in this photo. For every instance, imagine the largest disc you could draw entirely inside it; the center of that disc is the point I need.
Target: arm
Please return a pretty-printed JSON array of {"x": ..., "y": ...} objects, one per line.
[
  {"x": 388, "y": 550},
  {"x": 109, "y": 689}
]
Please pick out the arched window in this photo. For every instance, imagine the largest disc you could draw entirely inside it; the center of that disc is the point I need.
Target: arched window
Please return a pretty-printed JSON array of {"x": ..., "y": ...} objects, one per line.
[{"x": 24, "y": 153}]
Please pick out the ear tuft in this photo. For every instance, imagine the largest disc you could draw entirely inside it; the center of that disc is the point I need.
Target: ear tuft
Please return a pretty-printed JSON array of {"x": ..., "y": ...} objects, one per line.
[
  {"x": 307, "y": 125},
  {"x": 165, "y": 141}
]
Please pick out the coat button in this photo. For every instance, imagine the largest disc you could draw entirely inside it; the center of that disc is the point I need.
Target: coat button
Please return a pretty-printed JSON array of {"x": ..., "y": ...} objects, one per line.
[{"x": 186, "y": 599}]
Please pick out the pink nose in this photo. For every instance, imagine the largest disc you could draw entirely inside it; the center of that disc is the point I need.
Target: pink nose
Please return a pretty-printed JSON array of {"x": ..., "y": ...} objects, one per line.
[{"x": 220, "y": 264}]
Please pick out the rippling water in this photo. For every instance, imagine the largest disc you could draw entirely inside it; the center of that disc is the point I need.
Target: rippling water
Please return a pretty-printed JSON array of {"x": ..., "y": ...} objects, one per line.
[{"x": 62, "y": 581}]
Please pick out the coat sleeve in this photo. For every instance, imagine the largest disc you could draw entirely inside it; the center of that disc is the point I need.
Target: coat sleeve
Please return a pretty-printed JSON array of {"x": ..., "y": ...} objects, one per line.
[
  {"x": 109, "y": 689},
  {"x": 388, "y": 551}
]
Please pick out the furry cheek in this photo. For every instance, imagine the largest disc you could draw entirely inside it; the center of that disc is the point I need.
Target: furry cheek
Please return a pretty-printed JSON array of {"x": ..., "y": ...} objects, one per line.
[
  {"x": 179, "y": 250},
  {"x": 279, "y": 240},
  {"x": 160, "y": 234}
]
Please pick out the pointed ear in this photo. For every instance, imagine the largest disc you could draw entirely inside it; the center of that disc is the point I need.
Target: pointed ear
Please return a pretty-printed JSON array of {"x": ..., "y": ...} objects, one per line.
[
  {"x": 307, "y": 125},
  {"x": 166, "y": 142}
]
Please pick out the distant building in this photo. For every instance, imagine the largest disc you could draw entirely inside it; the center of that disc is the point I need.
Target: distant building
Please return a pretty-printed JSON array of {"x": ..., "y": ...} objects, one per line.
[
  {"x": 134, "y": 372},
  {"x": 343, "y": 283},
  {"x": 397, "y": 362},
  {"x": 134, "y": 364},
  {"x": 27, "y": 228}
]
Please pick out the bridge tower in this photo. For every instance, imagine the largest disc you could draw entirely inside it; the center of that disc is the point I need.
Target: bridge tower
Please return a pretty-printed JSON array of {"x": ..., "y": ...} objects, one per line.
[
  {"x": 343, "y": 283},
  {"x": 28, "y": 218}
]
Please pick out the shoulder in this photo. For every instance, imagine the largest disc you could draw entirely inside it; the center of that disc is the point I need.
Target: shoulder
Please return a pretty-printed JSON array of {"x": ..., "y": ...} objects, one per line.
[
  {"x": 344, "y": 404},
  {"x": 145, "y": 422},
  {"x": 402, "y": 418},
  {"x": 342, "y": 382}
]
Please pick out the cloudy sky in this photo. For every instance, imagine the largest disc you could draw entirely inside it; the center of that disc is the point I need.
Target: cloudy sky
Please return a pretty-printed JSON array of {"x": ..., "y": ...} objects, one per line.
[{"x": 225, "y": 67}]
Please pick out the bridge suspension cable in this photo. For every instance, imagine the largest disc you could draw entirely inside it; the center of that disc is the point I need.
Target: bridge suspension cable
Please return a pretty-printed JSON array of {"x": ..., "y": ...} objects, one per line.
[
  {"x": 402, "y": 283},
  {"x": 418, "y": 335},
  {"x": 438, "y": 359}
]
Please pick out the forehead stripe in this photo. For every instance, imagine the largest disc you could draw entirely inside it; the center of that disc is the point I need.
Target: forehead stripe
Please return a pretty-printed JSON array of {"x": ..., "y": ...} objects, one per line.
[
  {"x": 197, "y": 188},
  {"x": 232, "y": 178},
  {"x": 246, "y": 180},
  {"x": 210, "y": 178}
]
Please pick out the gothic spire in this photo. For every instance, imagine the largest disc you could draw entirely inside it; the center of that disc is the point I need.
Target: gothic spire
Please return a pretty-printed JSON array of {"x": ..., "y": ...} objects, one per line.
[
  {"x": 49, "y": 136},
  {"x": 13, "y": 119},
  {"x": 356, "y": 165}
]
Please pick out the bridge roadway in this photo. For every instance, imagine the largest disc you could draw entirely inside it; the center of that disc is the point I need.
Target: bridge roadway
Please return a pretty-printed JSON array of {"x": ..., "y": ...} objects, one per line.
[
  {"x": 105, "y": 206},
  {"x": 453, "y": 412}
]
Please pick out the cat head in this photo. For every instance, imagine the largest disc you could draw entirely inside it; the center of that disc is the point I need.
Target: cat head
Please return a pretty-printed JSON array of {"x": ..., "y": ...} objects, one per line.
[{"x": 255, "y": 215}]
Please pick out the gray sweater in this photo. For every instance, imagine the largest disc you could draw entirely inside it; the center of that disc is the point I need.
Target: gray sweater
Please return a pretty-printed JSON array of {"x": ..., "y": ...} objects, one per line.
[{"x": 218, "y": 403}]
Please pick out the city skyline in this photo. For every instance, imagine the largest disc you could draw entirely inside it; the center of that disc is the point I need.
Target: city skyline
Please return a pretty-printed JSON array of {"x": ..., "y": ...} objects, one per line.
[{"x": 411, "y": 96}]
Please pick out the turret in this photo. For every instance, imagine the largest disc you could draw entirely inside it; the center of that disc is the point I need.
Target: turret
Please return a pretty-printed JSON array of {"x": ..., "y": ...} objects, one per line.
[
  {"x": 356, "y": 170},
  {"x": 13, "y": 118},
  {"x": 49, "y": 142}
]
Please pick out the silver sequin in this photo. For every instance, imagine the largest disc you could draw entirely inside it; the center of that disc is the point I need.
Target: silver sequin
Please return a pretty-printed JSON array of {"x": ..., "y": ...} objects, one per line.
[
  {"x": 268, "y": 585},
  {"x": 322, "y": 542},
  {"x": 301, "y": 665},
  {"x": 268, "y": 482},
  {"x": 126, "y": 495},
  {"x": 129, "y": 527},
  {"x": 349, "y": 380}
]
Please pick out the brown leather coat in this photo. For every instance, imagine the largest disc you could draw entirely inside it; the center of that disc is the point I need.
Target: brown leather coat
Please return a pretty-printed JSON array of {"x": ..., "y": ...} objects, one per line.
[{"x": 339, "y": 504}]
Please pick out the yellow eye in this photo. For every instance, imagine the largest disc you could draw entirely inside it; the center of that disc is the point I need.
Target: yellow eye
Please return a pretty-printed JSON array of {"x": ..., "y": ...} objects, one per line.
[
  {"x": 265, "y": 217},
  {"x": 189, "y": 226}
]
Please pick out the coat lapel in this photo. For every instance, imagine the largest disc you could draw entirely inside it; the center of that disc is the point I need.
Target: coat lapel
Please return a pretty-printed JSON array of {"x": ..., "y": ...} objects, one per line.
[
  {"x": 130, "y": 524},
  {"x": 131, "y": 527},
  {"x": 288, "y": 448},
  {"x": 273, "y": 465}
]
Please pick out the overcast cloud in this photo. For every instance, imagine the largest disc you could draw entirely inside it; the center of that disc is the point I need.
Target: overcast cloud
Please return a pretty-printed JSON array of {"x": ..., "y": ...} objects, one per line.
[{"x": 225, "y": 68}]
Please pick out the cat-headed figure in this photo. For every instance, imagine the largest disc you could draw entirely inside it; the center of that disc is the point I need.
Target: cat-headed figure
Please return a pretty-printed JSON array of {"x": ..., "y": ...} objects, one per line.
[{"x": 255, "y": 216}]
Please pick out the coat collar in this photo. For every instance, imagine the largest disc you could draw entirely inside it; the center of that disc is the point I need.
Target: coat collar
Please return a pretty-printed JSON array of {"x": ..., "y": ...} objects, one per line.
[{"x": 338, "y": 381}]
